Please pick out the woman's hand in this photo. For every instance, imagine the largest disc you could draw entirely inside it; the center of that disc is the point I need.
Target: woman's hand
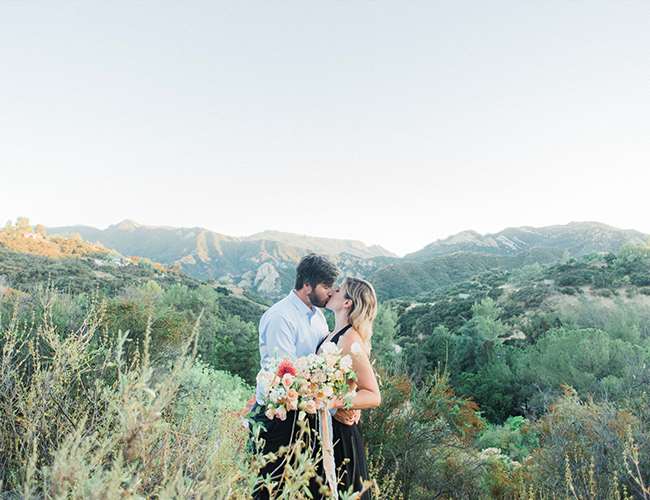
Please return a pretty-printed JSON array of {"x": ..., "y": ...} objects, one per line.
[
  {"x": 336, "y": 404},
  {"x": 347, "y": 417}
]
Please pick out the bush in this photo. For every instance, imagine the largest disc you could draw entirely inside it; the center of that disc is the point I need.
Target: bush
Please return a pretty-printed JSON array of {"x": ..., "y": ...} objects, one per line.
[
  {"x": 77, "y": 420},
  {"x": 588, "y": 450},
  {"x": 424, "y": 437}
]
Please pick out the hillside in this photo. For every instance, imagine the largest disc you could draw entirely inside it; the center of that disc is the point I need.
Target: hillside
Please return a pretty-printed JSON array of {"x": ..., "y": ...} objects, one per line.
[
  {"x": 531, "y": 290},
  {"x": 465, "y": 254},
  {"x": 29, "y": 263},
  {"x": 511, "y": 338},
  {"x": 411, "y": 278},
  {"x": 22, "y": 237},
  {"x": 576, "y": 238}
]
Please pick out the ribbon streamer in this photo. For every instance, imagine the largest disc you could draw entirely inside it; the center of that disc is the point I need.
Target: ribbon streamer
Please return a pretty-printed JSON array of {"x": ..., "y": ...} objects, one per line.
[{"x": 327, "y": 447}]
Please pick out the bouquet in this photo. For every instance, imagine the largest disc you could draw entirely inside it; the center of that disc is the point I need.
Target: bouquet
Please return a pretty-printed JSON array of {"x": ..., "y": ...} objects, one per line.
[{"x": 307, "y": 384}]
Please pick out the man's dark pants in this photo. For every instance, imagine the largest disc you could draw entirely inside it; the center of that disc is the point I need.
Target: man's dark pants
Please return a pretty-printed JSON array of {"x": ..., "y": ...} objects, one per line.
[{"x": 277, "y": 433}]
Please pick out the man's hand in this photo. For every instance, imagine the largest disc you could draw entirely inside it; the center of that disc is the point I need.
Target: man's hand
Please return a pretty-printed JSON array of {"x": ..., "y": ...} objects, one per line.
[
  {"x": 249, "y": 406},
  {"x": 347, "y": 417}
]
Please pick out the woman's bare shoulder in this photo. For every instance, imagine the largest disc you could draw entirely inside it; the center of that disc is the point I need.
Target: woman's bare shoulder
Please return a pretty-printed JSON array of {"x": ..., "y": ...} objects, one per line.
[{"x": 349, "y": 339}]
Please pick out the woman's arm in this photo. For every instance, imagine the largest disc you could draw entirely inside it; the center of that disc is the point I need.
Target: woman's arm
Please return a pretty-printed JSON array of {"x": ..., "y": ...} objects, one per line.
[{"x": 367, "y": 395}]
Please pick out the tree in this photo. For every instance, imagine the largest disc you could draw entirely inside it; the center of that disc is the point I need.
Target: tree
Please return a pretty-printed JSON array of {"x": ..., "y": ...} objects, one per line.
[
  {"x": 234, "y": 348},
  {"x": 588, "y": 359},
  {"x": 22, "y": 223},
  {"x": 486, "y": 329},
  {"x": 383, "y": 336}
]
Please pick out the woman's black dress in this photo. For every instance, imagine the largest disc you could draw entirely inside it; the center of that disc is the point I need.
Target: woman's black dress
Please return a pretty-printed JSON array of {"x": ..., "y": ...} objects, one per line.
[{"x": 349, "y": 450}]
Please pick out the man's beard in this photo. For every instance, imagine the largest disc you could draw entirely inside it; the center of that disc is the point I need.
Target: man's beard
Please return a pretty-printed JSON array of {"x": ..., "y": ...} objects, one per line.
[{"x": 315, "y": 301}]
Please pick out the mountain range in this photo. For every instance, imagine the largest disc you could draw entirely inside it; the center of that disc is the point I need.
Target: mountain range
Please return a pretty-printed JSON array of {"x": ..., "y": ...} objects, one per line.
[{"x": 265, "y": 262}]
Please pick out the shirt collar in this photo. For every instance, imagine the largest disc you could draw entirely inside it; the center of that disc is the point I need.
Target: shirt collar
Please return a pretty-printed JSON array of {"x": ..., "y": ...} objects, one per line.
[{"x": 300, "y": 305}]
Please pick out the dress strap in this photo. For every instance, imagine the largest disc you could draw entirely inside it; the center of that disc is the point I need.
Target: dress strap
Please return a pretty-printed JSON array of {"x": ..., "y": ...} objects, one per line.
[
  {"x": 335, "y": 338},
  {"x": 340, "y": 333}
]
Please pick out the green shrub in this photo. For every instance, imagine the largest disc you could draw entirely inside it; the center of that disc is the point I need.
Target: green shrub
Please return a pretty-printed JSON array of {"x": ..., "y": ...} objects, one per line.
[{"x": 516, "y": 438}]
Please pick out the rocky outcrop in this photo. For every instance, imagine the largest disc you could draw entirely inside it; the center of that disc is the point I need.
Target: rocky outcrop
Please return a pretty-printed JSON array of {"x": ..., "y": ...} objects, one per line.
[{"x": 267, "y": 279}]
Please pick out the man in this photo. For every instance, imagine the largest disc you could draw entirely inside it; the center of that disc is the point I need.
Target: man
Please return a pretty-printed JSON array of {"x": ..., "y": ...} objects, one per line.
[{"x": 291, "y": 328}]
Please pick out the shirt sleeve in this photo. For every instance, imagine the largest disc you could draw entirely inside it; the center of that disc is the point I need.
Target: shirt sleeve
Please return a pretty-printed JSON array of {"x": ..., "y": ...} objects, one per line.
[{"x": 280, "y": 337}]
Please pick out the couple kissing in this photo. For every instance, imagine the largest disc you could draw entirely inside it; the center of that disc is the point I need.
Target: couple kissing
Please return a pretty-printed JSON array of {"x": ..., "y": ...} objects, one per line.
[{"x": 295, "y": 328}]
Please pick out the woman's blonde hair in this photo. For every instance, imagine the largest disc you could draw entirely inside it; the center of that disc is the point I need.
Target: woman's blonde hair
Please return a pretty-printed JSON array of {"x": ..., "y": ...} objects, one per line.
[{"x": 364, "y": 307}]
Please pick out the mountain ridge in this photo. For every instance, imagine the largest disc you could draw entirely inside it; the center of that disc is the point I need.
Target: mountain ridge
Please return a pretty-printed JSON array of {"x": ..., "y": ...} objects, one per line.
[
  {"x": 265, "y": 262},
  {"x": 573, "y": 237}
]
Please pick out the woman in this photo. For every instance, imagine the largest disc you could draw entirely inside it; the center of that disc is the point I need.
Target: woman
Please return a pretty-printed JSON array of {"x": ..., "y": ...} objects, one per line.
[{"x": 354, "y": 305}]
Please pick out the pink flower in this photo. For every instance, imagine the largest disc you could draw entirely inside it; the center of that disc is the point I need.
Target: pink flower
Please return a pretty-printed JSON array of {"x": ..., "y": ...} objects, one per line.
[
  {"x": 287, "y": 380},
  {"x": 292, "y": 400},
  {"x": 281, "y": 413}
]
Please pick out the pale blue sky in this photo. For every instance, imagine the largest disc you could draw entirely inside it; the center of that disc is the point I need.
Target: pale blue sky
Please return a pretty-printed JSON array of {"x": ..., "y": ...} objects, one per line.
[{"x": 395, "y": 123}]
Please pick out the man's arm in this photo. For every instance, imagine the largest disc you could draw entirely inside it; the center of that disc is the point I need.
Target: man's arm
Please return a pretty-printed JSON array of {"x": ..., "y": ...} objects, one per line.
[{"x": 280, "y": 338}]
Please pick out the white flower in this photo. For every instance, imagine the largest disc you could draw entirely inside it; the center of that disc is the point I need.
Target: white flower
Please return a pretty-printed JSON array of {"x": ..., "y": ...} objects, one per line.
[
  {"x": 276, "y": 394},
  {"x": 330, "y": 360},
  {"x": 346, "y": 362},
  {"x": 355, "y": 348},
  {"x": 330, "y": 348},
  {"x": 265, "y": 380},
  {"x": 302, "y": 364}
]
